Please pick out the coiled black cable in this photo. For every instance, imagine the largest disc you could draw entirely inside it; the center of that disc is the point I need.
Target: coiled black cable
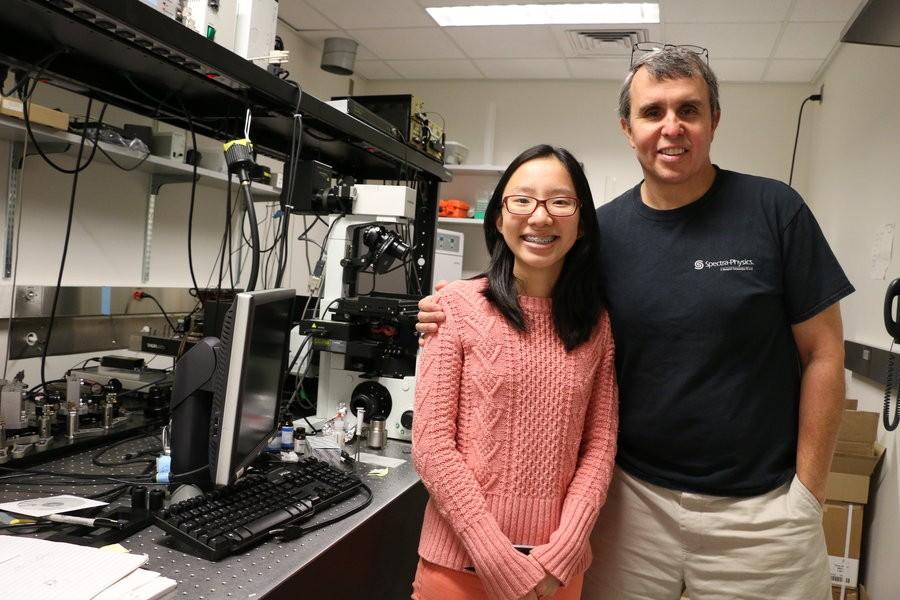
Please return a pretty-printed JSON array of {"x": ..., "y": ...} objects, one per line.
[{"x": 891, "y": 381}]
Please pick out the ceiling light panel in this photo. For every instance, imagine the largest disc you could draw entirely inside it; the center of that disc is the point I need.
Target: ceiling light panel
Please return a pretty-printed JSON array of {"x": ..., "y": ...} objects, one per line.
[{"x": 545, "y": 14}]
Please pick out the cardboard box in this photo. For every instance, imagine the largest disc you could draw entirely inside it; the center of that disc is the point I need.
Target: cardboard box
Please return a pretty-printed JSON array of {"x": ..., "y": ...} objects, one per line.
[
  {"x": 848, "y": 480},
  {"x": 850, "y": 594},
  {"x": 858, "y": 448},
  {"x": 859, "y": 426},
  {"x": 857, "y": 464},
  {"x": 843, "y": 538},
  {"x": 36, "y": 113},
  {"x": 850, "y": 404},
  {"x": 844, "y": 487}
]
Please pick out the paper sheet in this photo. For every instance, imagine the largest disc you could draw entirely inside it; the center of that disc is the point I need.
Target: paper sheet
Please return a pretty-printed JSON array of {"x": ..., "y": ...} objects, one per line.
[
  {"x": 51, "y": 505},
  {"x": 380, "y": 461},
  {"x": 138, "y": 585},
  {"x": 77, "y": 573},
  {"x": 882, "y": 245}
]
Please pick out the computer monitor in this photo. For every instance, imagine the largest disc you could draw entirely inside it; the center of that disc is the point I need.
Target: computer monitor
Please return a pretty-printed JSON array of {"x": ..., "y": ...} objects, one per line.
[{"x": 250, "y": 366}]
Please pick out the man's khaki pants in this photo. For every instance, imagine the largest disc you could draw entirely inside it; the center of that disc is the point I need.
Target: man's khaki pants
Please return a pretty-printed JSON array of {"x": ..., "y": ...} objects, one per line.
[{"x": 650, "y": 542}]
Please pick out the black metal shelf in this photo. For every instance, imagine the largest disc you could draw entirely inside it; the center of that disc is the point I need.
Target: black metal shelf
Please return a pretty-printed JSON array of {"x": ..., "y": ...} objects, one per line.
[{"x": 130, "y": 55}]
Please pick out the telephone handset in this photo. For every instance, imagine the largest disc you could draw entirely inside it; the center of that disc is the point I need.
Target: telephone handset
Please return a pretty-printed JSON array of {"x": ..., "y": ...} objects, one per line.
[{"x": 892, "y": 324}]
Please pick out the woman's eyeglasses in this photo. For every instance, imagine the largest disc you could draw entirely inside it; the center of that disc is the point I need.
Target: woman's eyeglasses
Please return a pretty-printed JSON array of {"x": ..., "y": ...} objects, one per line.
[
  {"x": 641, "y": 49},
  {"x": 560, "y": 206}
]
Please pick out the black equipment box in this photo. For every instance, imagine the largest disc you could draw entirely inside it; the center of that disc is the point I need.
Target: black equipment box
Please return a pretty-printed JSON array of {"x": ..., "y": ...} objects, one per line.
[{"x": 407, "y": 113}]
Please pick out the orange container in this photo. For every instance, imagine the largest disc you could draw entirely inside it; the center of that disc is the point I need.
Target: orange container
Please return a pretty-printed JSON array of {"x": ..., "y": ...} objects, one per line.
[{"x": 452, "y": 207}]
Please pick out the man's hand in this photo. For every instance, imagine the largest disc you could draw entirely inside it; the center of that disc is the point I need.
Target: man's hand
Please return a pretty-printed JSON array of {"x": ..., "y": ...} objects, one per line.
[
  {"x": 530, "y": 596},
  {"x": 430, "y": 314},
  {"x": 547, "y": 586}
]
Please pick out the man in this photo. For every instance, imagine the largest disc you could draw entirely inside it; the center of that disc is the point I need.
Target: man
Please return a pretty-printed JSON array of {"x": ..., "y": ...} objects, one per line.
[{"x": 723, "y": 297}]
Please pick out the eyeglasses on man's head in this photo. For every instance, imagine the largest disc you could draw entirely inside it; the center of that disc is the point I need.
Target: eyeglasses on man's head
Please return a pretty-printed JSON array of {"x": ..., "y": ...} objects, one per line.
[{"x": 641, "y": 49}]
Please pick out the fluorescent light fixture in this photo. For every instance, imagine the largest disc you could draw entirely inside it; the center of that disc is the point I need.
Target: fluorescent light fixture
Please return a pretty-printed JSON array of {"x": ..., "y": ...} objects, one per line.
[{"x": 545, "y": 14}]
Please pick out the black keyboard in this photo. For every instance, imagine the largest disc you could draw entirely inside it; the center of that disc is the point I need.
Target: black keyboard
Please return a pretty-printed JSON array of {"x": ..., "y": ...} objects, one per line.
[{"x": 228, "y": 520}]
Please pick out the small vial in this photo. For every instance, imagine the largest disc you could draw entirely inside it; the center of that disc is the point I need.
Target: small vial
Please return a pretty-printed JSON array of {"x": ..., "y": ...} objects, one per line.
[
  {"x": 337, "y": 426},
  {"x": 287, "y": 436}
]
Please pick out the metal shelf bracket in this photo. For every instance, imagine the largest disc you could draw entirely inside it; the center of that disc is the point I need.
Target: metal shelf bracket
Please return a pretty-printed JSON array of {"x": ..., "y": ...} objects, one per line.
[{"x": 156, "y": 182}]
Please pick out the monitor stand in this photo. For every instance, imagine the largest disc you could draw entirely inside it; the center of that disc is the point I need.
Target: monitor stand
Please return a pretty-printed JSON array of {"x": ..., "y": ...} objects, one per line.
[{"x": 191, "y": 405}]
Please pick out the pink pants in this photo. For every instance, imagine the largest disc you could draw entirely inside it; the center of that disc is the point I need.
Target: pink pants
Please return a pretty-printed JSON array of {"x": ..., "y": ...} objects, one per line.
[{"x": 434, "y": 582}]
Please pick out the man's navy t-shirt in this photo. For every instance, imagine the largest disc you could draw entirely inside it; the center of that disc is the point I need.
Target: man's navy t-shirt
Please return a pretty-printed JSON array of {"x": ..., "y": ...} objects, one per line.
[{"x": 702, "y": 299}]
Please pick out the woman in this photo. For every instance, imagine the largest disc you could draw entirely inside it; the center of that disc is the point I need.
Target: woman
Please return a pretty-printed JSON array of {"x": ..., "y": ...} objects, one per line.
[{"x": 516, "y": 400}]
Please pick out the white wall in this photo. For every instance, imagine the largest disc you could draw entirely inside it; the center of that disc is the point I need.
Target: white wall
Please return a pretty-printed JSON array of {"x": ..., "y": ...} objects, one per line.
[
  {"x": 854, "y": 179},
  {"x": 756, "y": 133}
]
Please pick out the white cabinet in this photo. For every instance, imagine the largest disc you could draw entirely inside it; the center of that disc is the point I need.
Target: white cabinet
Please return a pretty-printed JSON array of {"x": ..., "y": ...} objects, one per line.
[{"x": 470, "y": 182}]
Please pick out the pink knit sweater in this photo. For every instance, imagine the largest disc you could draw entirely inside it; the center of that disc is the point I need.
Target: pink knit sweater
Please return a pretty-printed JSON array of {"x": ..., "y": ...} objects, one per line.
[{"x": 514, "y": 439}]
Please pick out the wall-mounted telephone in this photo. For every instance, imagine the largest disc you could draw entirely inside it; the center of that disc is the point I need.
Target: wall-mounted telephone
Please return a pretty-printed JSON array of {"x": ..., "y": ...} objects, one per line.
[{"x": 892, "y": 323}]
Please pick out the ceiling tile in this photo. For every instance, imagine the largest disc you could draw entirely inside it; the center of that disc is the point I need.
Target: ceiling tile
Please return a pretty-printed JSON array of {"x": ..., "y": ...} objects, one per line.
[
  {"x": 505, "y": 42},
  {"x": 808, "y": 40},
  {"x": 792, "y": 70},
  {"x": 363, "y": 53},
  {"x": 824, "y": 10},
  {"x": 760, "y": 40},
  {"x": 359, "y": 14},
  {"x": 736, "y": 69},
  {"x": 375, "y": 69},
  {"x": 723, "y": 11},
  {"x": 436, "y": 69},
  {"x": 726, "y": 40},
  {"x": 408, "y": 44},
  {"x": 300, "y": 15},
  {"x": 598, "y": 68},
  {"x": 534, "y": 68}
]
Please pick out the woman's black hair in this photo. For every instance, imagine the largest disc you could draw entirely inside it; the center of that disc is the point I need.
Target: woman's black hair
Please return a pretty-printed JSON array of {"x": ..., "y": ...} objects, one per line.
[{"x": 577, "y": 296}]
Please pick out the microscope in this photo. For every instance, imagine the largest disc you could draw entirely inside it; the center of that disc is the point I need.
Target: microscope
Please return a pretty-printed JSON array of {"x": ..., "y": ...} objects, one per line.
[{"x": 366, "y": 322}]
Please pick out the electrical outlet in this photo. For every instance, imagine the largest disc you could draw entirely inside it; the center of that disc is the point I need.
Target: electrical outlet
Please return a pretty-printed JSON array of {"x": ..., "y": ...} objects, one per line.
[{"x": 821, "y": 94}]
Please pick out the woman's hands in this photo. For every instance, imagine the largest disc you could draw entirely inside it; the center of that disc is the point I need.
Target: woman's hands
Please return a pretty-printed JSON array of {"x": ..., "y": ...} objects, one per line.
[
  {"x": 430, "y": 314},
  {"x": 545, "y": 588}
]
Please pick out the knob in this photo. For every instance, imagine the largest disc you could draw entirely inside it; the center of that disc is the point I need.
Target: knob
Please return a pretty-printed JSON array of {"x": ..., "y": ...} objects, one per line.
[{"x": 406, "y": 419}]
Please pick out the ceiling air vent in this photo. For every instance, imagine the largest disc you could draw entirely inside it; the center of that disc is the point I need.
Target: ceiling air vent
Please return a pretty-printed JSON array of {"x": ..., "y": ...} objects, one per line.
[{"x": 604, "y": 42}]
